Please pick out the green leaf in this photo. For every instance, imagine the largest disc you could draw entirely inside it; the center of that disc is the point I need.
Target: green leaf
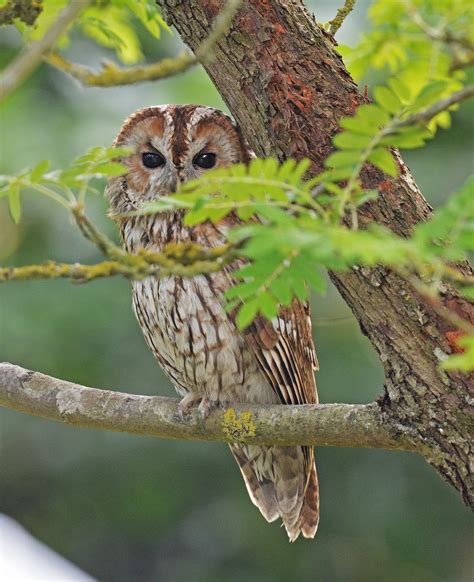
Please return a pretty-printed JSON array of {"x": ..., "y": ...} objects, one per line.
[
  {"x": 110, "y": 169},
  {"x": 343, "y": 159},
  {"x": 357, "y": 125},
  {"x": 407, "y": 137},
  {"x": 430, "y": 93},
  {"x": 14, "y": 202},
  {"x": 267, "y": 305},
  {"x": 243, "y": 290},
  {"x": 316, "y": 280},
  {"x": 247, "y": 313},
  {"x": 373, "y": 115},
  {"x": 347, "y": 140},
  {"x": 39, "y": 170},
  {"x": 383, "y": 159},
  {"x": 465, "y": 361},
  {"x": 299, "y": 288},
  {"x": 281, "y": 289},
  {"x": 468, "y": 292},
  {"x": 387, "y": 99},
  {"x": 452, "y": 226}
]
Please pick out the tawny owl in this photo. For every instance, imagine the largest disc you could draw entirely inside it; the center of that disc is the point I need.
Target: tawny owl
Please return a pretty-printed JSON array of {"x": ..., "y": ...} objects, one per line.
[{"x": 183, "y": 320}]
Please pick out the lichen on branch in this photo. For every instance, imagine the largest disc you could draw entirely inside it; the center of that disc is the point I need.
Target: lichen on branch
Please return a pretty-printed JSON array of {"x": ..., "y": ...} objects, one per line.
[
  {"x": 183, "y": 259},
  {"x": 340, "y": 425},
  {"x": 25, "y": 10}
]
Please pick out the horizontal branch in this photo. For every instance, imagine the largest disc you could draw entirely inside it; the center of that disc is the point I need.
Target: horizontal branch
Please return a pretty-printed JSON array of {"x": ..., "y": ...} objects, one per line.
[
  {"x": 112, "y": 75},
  {"x": 342, "y": 425},
  {"x": 185, "y": 260}
]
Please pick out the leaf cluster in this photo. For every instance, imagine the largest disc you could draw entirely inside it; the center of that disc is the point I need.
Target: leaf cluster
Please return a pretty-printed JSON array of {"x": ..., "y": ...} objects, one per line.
[
  {"x": 418, "y": 41},
  {"x": 110, "y": 23},
  {"x": 66, "y": 187}
]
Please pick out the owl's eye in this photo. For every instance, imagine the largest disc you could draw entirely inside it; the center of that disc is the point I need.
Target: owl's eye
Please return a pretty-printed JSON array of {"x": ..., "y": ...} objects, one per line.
[
  {"x": 153, "y": 160},
  {"x": 205, "y": 161}
]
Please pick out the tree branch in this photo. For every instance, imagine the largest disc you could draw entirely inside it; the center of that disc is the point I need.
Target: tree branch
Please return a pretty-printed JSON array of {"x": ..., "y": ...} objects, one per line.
[
  {"x": 341, "y": 425},
  {"x": 111, "y": 75},
  {"x": 183, "y": 259},
  {"x": 342, "y": 13},
  {"x": 438, "y": 107},
  {"x": 32, "y": 54}
]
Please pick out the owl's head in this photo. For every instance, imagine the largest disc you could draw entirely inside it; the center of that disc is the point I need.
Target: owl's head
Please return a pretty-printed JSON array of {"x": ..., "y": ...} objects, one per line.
[{"x": 172, "y": 144}]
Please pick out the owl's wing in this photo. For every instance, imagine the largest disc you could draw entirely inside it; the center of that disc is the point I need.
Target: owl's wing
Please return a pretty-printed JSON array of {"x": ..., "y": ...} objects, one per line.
[{"x": 286, "y": 354}]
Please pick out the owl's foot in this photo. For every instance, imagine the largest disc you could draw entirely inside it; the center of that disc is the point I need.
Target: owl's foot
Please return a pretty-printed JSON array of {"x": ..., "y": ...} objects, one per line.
[{"x": 190, "y": 400}]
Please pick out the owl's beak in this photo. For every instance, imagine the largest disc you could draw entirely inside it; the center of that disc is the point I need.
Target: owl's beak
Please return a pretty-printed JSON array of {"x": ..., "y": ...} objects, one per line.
[
  {"x": 173, "y": 186},
  {"x": 176, "y": 181}
]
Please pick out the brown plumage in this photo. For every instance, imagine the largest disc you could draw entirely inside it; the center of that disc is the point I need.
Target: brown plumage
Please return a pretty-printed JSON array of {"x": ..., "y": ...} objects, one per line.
[{"x": 195, "y": 341}]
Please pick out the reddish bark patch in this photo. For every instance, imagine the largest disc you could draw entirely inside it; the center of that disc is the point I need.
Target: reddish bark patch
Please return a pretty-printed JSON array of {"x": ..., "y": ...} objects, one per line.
[
  {"x": 452, "y": 338},
  {"x": 279, "y": 29},
  {"x": 385, "y": 185}
]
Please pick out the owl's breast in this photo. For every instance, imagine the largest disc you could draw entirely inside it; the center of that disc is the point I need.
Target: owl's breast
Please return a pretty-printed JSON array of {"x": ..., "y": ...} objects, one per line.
[{"x": 195, "y": 341}]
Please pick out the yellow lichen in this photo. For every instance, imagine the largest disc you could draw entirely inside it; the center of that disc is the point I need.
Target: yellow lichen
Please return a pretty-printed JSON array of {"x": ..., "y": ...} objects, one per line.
[{"x": 238, "y": 427}]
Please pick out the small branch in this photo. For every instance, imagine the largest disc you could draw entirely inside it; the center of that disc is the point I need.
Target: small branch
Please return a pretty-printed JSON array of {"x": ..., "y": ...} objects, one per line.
[
  {"x": 438, "y": 107},
  {"x": 25, "y": 10},
  {"x": 90, "y": 232},
  {"x": 341, "y": 425},
  {"x": 462, "y": 62},
  {"x": 342, "y": 13},
  {"x": 33, "y": 53},
  {"x": 74, "y": 272},
  {"x": 184, "y": 260},
  {"x": 440, "y": 34},
  {"x": 111, "y": 75}
]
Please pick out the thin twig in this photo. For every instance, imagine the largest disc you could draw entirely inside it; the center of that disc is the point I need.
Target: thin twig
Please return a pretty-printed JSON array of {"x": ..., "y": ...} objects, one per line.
[
  {"x": 31, "y": 56},
  {"x": 438, "y": 107},
  {"x": 441, "y": 34},
  {"x": 91, "y": 233},
  {"x": 342, "y": 13},
  {"x": 112, "y": 75}
]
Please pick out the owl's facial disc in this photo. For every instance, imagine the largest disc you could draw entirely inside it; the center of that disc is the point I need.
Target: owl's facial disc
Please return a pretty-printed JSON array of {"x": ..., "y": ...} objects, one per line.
[{"x": 174, "y": 144}]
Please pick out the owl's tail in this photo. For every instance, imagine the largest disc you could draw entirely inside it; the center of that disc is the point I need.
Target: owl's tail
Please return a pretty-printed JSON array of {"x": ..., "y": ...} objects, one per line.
[{"x": 282, "y": 482}]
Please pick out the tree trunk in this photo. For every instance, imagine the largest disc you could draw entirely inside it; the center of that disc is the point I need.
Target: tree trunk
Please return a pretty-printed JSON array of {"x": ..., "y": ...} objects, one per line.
[{"x": 286, "y": 86}]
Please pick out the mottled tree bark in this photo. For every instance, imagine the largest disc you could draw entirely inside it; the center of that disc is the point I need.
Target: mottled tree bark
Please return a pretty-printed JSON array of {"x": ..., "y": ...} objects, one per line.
[
  {"x": 336, "y": 425},
  {"x": 281, "y": 78}
]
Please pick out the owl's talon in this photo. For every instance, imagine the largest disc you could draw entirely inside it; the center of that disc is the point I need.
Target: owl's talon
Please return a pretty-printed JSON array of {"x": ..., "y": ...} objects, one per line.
[
  {"x": 207, "y": 405},
  {"x": 188, "y": 402}
]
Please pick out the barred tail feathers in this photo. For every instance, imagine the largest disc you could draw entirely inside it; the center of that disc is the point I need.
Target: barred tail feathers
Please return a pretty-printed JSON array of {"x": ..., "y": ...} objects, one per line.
[{"x": 278, "y": 484}]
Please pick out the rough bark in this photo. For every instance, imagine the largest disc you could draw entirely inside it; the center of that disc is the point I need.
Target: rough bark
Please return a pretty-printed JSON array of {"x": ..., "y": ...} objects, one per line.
[
  {"x": 286, "y": 86},
  {"x": 340, "y": 425}
]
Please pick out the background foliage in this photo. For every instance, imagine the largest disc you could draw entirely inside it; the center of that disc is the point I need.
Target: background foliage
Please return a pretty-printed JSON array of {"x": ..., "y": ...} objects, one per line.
[{"x": 128, "y": 508}]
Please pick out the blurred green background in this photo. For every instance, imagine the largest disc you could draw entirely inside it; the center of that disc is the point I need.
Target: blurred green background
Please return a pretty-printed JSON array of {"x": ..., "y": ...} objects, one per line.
[{"x": 128, "y": 508}]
